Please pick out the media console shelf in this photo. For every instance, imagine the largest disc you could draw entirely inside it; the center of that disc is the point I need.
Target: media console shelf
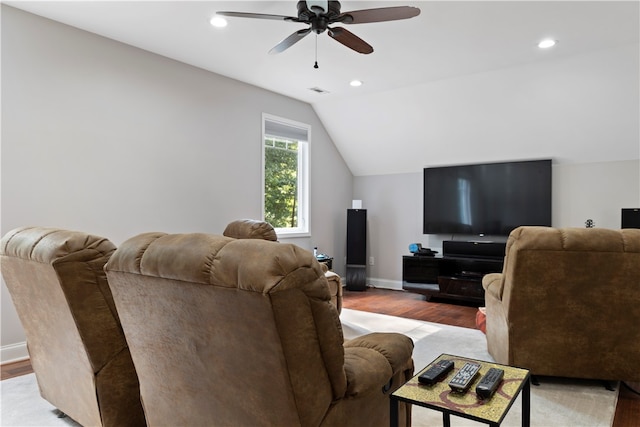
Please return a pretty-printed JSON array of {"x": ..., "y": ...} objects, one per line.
[{"x": 448, "y": 277}]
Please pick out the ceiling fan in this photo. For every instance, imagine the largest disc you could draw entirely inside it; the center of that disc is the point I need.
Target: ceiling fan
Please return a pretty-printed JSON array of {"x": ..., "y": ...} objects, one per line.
[{"x": 319, "y": 14}]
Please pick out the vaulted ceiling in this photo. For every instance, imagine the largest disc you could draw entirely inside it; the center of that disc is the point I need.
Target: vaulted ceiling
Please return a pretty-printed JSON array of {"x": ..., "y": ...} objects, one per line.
[{"x": 464, "y": 81}]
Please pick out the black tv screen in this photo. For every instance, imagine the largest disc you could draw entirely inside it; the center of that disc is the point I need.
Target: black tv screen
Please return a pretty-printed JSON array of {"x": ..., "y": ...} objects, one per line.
[{"x": 487, "y": 199}]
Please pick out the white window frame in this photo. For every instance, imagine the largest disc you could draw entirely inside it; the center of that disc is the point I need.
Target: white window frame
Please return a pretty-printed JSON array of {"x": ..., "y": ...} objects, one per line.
[{"x": 302, "y": 230}]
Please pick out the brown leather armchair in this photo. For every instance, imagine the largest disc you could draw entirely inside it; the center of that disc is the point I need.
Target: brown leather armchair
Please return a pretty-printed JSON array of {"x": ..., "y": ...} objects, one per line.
[
  {"x": 567, "y": 303},
  {"x": 242, "y": 332},
  {"x": 77, "y": 348},
  {"x": 254, "y": 229}
]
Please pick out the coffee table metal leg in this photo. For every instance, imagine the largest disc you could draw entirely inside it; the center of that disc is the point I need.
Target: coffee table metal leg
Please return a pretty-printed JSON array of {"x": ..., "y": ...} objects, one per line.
[
  {"x": 446, "y": 420},
  {"x": 393, "y": 414},
  {"x": 526, "y": 404}
]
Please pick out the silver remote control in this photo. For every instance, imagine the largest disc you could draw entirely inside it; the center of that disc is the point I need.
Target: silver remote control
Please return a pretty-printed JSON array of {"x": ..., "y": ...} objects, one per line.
[{"x": 465, "y": 376}]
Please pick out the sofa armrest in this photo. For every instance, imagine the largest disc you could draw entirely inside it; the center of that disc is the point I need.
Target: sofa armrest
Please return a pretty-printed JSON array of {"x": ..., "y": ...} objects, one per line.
[
  {"x": 335, "y": 288},
  {"x": 493, "y": 284},
  {"x": 373, "y": 362}
]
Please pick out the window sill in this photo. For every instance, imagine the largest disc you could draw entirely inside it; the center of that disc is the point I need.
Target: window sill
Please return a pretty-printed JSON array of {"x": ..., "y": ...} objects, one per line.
[{"x": 292, "y": 234}]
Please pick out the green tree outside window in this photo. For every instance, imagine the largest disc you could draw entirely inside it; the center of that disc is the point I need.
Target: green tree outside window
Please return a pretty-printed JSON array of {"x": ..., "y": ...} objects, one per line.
[
  {"x": 285, "y": 179},
  {"x": 281, "y": 182}
]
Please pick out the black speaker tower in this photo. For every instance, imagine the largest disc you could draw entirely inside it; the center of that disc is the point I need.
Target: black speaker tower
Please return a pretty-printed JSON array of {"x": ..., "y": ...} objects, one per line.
[
  {"x": 630, "y": 218},
  {"x": 356, "y": 249}
]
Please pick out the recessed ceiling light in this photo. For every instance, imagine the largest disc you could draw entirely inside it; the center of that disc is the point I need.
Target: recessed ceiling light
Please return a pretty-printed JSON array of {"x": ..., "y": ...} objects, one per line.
[
  {"x": 355, "y": 83},
  {"x": 547, "y": 43},
  {"x": 218, "y": 21}
]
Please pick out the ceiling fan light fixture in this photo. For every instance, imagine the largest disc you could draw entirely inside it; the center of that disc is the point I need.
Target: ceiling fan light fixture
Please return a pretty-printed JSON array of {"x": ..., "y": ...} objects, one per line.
[
  {"x": 218, "y": 21},
  {"x": 356, "y": 83},
  {"x": 547, "y": 43},
  {"x": 318, "y": 6}
]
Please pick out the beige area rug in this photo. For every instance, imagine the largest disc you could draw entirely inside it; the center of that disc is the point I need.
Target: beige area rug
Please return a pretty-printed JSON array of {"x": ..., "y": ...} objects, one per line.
[
  {"x": 554, "y": 403},
  {"x": 21, "y": 405}
]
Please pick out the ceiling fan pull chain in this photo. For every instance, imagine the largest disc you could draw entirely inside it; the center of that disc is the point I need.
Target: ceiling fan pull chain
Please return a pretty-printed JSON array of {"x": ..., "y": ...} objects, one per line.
[{"x": 316, "y": 64}]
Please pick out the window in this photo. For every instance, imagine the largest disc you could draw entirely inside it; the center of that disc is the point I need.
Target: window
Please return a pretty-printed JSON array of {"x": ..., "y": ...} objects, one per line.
[{"x": 285, "y": 175}]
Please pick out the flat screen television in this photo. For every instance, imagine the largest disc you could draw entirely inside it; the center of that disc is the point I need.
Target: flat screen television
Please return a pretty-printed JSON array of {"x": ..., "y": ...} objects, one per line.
[{"x": 487, "y": 199}]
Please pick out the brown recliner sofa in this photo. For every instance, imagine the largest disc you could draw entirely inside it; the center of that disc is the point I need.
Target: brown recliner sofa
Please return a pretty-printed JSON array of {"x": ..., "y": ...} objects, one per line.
[
  {"x": 567, "y": 303},
  {"x": 76, "y": 345},
  {"x": 241, "y": 332},
  {"x": 255, "y": 229}
]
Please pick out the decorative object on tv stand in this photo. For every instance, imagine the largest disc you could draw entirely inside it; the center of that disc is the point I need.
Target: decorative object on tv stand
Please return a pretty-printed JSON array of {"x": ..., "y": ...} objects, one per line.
[
  {"x": 417, "y": 250},
  {"x": 589, "y": 223},
  {"x": 356, "y": 249}
]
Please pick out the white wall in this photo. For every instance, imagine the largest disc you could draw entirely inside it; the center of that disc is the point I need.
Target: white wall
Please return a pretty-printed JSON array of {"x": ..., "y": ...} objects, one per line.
[
  {"x": 579, "y": 109},
  {"x": 595, "y": 191},
  {"x": 394, "y": 209},
  {"x": 105, "y": 138}
]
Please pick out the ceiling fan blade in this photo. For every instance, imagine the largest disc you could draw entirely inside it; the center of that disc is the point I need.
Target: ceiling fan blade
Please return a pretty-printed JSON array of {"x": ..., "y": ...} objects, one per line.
[
  {"x": 350, "y": 40},
  {"x": 258, "y": 16},
  {"x": 290, "y": 41},
  {"x": 378, "y": 15}
]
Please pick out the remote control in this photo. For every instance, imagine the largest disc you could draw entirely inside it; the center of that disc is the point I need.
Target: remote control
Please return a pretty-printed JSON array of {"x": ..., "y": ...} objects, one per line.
[
  {"x": 489, "y": 383},
  {"x": 435, "y": 373},
  {"x": 465, "y": 376}
]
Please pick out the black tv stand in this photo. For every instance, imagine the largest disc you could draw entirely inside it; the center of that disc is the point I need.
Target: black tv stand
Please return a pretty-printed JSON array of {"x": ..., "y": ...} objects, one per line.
[{"x": 455, "y": 278}]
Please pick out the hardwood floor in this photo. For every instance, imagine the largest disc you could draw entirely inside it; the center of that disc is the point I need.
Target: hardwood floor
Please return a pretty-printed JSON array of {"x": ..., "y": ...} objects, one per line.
[
  {"x": 413, "y": 306},
  {"x": 410, "y": 305}
]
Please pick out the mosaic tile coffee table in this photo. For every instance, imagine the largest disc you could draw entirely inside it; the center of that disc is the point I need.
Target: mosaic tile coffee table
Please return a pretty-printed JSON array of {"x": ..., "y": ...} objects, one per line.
[{"x": 440, "y": 397}]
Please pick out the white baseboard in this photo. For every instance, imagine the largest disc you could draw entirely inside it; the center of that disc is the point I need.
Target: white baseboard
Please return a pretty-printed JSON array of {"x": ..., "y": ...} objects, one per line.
[
  {"x": 395, "y": 285},
  {"x": 13, "y": 353}
]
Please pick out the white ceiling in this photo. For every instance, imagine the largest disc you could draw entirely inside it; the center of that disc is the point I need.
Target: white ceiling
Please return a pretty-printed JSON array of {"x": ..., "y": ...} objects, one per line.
[{"x": 448, "y": 40}]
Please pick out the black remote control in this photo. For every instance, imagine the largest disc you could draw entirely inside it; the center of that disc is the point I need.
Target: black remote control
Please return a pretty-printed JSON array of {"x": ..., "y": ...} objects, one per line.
[
  {"x": 489, "y": 383},
  {"x": 465, "y": 376},
  {"x": 435, "y": 373}
]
